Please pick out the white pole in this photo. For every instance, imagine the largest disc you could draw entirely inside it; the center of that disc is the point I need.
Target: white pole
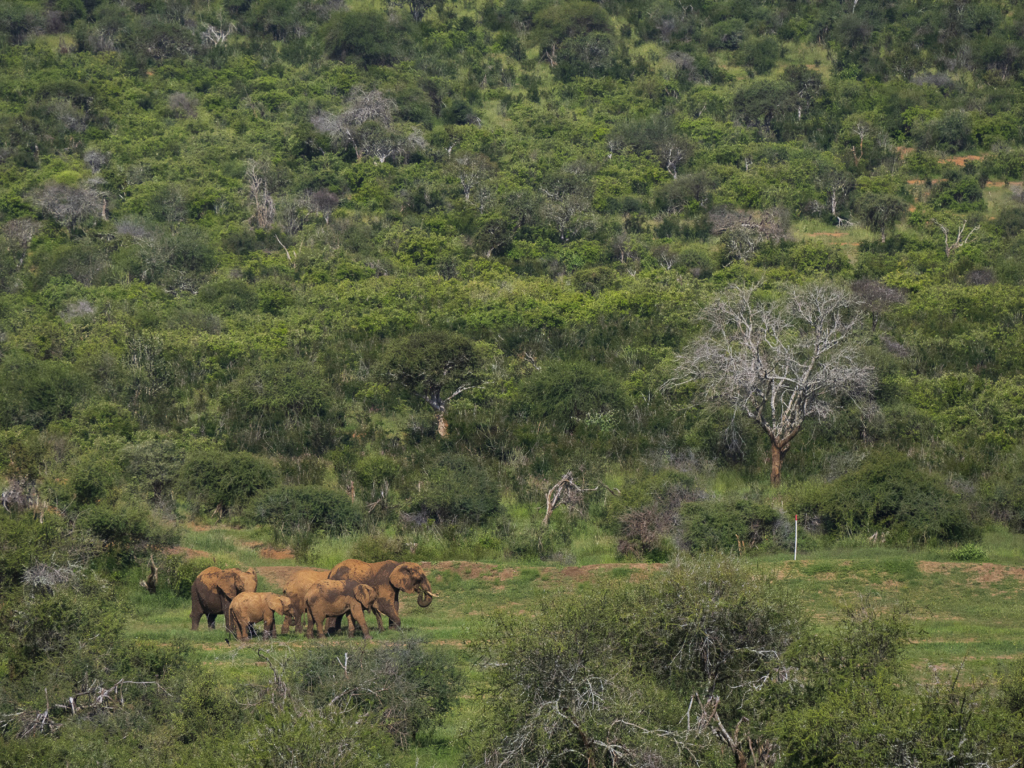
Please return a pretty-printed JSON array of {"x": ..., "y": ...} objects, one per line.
[{"x": 796, "y": 533}]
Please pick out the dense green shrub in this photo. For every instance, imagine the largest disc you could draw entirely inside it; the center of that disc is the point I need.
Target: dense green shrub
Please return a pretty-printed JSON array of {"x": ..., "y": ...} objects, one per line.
[
  {"x": 719, "y": 526},
  {"x": 890, "y": 492},
  {"x": 319, "y": 509},
  {"x": 221, "y": 481},
  {"x": 456, "y": 490}
]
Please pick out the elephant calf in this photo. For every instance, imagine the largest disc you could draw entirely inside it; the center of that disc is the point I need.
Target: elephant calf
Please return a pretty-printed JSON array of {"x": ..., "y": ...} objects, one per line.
[
  {"x": 254, "y": 607},
  {"x": 330, "y": 598}
]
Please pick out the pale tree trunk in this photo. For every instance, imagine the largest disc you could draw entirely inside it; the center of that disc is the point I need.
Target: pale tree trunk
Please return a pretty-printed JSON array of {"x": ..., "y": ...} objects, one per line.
[{"x": 442, "y": 425}]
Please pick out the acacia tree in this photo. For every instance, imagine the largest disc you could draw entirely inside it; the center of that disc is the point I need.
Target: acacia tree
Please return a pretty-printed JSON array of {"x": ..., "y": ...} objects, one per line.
[
  {"x": 436, "y": 366},
  {"x": 780, "y": 361}
]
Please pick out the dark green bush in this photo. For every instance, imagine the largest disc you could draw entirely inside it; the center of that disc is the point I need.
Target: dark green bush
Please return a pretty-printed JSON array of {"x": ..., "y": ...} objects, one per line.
[
  {"x": 720, "y": 525},
  {"x": 889, "y": 492},
  {"x": 126, "y": 529},
  {"x": 221, "y": 481},
  {"x": 456, "y": 490},
  {"x": 294, "y": 506}
]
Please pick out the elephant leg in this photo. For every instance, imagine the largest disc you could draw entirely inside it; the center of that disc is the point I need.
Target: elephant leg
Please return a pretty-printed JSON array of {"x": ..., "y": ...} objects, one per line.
[
  {"x": 211, "y": 619},
  {"x": 197, "y": 614},
  {"x": 390, "y": 610},
  {"x": 357, "y": 614},
  {"x": 268, "y": 624}
]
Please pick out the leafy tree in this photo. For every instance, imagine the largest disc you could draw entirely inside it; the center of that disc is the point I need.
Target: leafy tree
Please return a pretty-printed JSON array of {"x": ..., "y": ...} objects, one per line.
[
  {"x": 779, "y": 362},
  {"x": 435, "y": 366},
  {"x": 880, "y": 211},
  {"x": 364, "y": 37},
  {"x": 456, "y": 491}
]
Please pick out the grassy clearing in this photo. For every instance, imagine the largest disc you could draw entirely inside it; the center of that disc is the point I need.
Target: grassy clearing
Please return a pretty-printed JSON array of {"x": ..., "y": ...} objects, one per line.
[{"x": 967, "y": 613}]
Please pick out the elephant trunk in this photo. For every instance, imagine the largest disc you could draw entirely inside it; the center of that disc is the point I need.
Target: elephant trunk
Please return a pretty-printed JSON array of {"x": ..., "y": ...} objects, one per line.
[{"x": 424, "y": 597}]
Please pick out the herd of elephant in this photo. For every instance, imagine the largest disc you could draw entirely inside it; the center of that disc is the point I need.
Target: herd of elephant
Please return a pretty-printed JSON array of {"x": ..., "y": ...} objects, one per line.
[{"x": 348, "y": 589}]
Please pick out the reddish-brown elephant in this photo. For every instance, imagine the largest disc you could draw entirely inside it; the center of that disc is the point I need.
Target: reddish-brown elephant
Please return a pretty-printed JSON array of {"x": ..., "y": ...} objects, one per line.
[
  {"x": 255, "y": 607},
  {"x": 387, "y": 578},
  {"x": 332, "y": 598},
  {"x": 214, "y": 589},
  {"x": 295, "y": 590}
]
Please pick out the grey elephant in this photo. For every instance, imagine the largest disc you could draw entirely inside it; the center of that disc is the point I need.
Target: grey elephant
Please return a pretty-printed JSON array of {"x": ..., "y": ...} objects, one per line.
[
  {"x": 387, "y": 578},
  {"x": 252, "y": 608},
  {"x": 295, "y": 590},
  {"x": 332, "y": 598},
  {"x": 214, "y": 589}
]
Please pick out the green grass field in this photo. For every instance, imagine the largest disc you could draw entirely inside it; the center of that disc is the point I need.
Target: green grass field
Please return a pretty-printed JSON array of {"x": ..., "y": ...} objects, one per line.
[{"x": 967, "y": 612}]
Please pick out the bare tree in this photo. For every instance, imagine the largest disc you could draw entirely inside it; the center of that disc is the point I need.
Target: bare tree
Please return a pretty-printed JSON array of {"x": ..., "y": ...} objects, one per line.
[
  {"x": 780, "y": 361},
  {"x": 742, "y": 232},
  {"x": 71, "y": 207},
  {"x": 955, "y": 240},
  {"x": 259, "y": 193}
]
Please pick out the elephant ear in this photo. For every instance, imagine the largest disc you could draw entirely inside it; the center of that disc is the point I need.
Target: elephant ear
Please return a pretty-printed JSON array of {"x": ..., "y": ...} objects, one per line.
[
  {"x": 231, "y": 585},
  {"x": 403, "y": 578},
  {"x": 280, "y": 604},
  {"x": 364, "y": 594}
]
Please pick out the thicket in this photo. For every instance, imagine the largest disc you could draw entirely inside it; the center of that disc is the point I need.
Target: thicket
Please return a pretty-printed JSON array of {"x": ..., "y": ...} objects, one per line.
[{"x": 398, "y": 268}]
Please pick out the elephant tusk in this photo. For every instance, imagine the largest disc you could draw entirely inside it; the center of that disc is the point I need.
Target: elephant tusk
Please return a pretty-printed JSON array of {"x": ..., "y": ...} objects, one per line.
[{"x": 430, "y": 593}]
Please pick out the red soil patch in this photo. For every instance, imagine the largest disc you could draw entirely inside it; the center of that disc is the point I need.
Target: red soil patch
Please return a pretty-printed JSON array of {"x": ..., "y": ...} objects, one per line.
[
  {"x": 276, "y": 554},
  {"x": 961, "y": 161},
  {"x": 978, "y": 573}
]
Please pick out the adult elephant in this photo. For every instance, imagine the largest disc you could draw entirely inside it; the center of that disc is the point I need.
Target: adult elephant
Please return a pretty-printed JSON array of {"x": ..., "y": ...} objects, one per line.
[
  {"x": 295, "y": 590},
  {"x": 214, "y": 589},
  {"x": 332, "y": 598},
  {"x": 252, "y": 608},
  {"x": 387, "y": 578}
]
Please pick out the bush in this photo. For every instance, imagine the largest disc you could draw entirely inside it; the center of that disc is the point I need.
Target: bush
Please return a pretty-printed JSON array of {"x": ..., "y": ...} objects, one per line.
[
  {"x": 409, "y": 686},
  {"x": 720, "y": 525},
  {"x": 889, "y": 492},
  {"x": 219, "y": 481},
  {"x": 968, "y": 552},
  {"x": 319, "y": 509},
  {"x": 456, "y": 491},
  {"x": 126, "y": 529}
]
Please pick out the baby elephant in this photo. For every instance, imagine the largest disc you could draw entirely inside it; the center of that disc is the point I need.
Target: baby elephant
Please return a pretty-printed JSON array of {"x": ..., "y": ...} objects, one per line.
[
  {"x": 338, "y": 598},
  {"x": 253, "y": 607}
]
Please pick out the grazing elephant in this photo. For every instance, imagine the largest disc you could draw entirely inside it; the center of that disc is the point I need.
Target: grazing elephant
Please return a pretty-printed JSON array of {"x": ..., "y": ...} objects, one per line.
[
  {"x": 387, "y": 578},
  {"x": 214, "y": 589},
  {"x": 252, "y": 608},
  {"x": 330, "y": 597},
  {"x": 295, "y": 589}
]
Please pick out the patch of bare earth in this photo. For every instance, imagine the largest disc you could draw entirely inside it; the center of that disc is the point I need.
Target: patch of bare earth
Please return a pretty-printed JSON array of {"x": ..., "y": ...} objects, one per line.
[
  {"x": 269, "y": 553},
  {"x": 978, "y": 573}
]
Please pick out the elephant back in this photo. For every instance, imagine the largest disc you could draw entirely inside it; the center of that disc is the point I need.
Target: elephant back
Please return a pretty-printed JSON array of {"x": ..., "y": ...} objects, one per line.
[{"x": 373, "y": 574}]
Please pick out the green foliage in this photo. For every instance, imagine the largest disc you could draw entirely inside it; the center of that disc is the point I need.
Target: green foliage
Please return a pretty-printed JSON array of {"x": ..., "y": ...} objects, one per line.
[
  {"x": 408, "y": 685},
  {"x": 126, "y": 529},
  {"x": 222, "y": 482},
  {"x": 718, "y": 526},
  {"x": 642, "y": 661},
  {"x": 319, "y": 509},
  {"x": 889, "y": 492},
  {"x": 456, "y": 491},
  {"x": 968, "y": 552},
  {"x": 286, "y": 407},
  {"x": 361, "y": 37}
]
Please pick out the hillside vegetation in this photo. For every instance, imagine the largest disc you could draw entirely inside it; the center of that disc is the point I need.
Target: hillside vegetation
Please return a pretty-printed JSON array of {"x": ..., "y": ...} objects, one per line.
[{"x": 530, "y": 281}]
